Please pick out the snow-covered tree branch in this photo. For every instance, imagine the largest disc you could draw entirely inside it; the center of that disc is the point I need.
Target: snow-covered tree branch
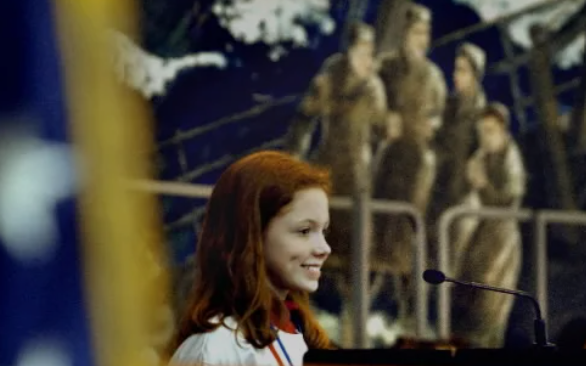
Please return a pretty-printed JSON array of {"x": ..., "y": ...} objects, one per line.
[
  {"x": 554, "y": 17},
  {"x": 273, "y": 21},
  {"x": 150, "y": 74}
]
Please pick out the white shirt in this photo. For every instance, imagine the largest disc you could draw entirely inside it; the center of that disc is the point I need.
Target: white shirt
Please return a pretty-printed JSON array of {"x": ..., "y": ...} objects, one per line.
[{"x": 220, "y": 348}]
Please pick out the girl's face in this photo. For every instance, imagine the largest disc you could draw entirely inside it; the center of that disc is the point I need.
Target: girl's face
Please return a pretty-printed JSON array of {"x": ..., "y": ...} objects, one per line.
[{"x": 294, "y": 244}]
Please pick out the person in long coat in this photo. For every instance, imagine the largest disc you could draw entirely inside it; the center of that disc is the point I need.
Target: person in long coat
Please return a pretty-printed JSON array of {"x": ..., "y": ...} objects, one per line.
[
  {"x": 456, "y": 141},
  {"x": 497, "y": 176},
  {"x": 416, "y": 94},
  {"x": 415, "y": 86}
]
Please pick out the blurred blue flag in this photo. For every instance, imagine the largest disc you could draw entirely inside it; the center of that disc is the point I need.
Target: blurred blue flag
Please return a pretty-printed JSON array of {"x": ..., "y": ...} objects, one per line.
[{"x": 43, "y": 315}]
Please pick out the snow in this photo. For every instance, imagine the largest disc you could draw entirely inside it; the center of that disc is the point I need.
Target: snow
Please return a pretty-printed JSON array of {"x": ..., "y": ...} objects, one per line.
[
  {"x": 150, "y": 74},
  {"x": 274, "y": 22},
  {"x": 554, "y": 17}
]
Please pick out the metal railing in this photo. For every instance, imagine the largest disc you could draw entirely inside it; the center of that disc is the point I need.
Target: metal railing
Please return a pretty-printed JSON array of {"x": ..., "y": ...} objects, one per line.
[
  {"x": 173, "y": 188},
  {"x": 359, "y": 264},
  {"x": 444, "y": 255},
  {"x": 541, "y": 218}
]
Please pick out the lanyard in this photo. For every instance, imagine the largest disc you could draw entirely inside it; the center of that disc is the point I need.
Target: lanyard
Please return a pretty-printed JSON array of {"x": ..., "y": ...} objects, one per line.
[{"x": 283, "y": 349}]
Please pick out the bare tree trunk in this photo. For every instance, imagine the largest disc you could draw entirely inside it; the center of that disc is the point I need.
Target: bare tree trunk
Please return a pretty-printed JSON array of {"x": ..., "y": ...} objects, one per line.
[
  {"x": 578, "y": 124},
  {"x": 562, "y": 189},
  {"x": 389, "y": 24},
  {"x": 514, "y": 80},
  {"x": 577, "y": 134}
]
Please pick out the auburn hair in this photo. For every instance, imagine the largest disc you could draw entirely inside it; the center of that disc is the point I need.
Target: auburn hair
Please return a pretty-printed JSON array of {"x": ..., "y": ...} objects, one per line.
[{"x": 231, "y": 277}]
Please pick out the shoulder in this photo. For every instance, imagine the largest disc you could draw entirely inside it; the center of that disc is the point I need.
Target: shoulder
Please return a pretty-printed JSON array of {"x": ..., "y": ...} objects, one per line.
[
  {"x": 514, "y": 156},
  {"x": 434, "y": 69},
  {"x": 332, "y": 62},
  {"x": 513, "y": 149},
  {"x": 435, "y": 73},
  {"x": 217, "y": 348},
  {"x": 192, "y": 350},
  {"x": 481, "y": 99},
  {"x": 328, "y": 69}
]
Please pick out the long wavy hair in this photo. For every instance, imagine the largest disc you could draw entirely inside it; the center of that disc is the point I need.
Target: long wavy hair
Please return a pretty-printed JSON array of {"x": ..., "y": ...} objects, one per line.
[{"x": 231, "y": 279}]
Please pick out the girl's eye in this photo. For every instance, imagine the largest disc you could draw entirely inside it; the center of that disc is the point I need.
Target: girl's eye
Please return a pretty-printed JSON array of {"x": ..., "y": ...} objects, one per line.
[{"x": 305, "y": 231}]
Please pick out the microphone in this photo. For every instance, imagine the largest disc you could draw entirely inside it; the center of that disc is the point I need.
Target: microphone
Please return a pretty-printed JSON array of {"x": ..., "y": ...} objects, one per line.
[{"x": 436, "y": 277}]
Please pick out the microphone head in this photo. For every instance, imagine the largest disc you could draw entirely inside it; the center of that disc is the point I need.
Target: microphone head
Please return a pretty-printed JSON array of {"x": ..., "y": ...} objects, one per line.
[{"x": 433, "y": 276}]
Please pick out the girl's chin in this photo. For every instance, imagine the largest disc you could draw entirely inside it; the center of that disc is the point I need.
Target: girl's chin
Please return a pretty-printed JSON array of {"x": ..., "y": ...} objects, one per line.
[{"x": 309, "y": 286}]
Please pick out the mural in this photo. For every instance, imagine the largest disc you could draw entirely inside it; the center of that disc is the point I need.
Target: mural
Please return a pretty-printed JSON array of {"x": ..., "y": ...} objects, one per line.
[{"x": 435, "y": 103}]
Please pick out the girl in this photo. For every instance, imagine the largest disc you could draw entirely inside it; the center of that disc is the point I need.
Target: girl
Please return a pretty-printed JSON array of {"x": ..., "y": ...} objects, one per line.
[{"x": 260, "y": 253}]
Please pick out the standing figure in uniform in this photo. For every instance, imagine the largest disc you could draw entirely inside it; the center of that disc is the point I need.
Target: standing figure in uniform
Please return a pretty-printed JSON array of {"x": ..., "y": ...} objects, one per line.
[
  {"x": 416, "y": 93},
  {"x": 348, "y": 98},
  {"x": 497, "y": 176},
  {"x": 456, "y": 141},
  {"x": 415, "y": 87}
]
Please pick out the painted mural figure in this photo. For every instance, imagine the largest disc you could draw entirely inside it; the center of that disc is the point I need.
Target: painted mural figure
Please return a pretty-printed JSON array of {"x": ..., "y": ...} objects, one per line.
[
  {"x": 348, "y": 97},
  {"x": 416, "y": 95},
  {"x": 456, "y": 140},
  {"x": 497, "y": 177},
  {"x": 415, "y": 87}
]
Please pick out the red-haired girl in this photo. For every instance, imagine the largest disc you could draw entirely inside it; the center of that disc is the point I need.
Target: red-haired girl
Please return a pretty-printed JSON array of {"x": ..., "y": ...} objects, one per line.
[{"x": 259, "y": 256}]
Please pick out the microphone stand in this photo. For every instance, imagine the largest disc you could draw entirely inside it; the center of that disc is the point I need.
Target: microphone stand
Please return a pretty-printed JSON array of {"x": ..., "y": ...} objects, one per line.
[
  {"x": 436, "y": 277},
  {"x": 538, "y": 324}
]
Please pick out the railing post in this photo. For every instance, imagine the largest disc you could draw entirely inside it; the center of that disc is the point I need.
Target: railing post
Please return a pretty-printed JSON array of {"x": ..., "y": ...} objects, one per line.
[
  {"x": 419, "y": 247},
  {"x": 541, "y": 263},
  {"x": 359, "y": 263},
  {"x": 443, "y": 254},
  {"x": 420, "y": 255},
  {"x": 542, "y": 220}
]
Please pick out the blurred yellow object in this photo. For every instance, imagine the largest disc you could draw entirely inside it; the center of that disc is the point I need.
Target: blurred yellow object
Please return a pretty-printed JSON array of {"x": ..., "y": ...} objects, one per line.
[{"x": 121, "y": 229}]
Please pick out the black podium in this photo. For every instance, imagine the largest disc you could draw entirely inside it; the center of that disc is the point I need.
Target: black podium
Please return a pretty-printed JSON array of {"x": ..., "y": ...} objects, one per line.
[{"x": 458, "y": 357}]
